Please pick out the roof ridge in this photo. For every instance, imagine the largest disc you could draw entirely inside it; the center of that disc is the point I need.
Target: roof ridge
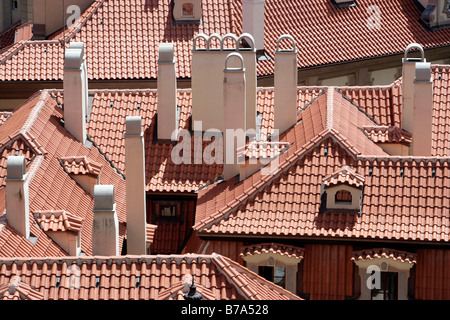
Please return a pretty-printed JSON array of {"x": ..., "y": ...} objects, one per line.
[
  {"x": 11, "y": 51},
  {"x": 84, "y": 18},
  {"x": 330, "y": 108},
  {"x": 34, "y": 113}
]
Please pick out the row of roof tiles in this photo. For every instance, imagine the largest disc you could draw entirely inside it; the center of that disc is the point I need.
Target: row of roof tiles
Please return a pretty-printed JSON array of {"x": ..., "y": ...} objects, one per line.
[
  {"x": 133, "y": 278},
  {"x": 118, "y": 37}
]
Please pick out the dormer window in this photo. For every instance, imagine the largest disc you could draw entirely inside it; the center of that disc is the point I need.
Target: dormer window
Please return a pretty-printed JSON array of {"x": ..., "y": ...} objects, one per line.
[
  {"x": 187, "y": 11},
  {"x": 343, "y": 196},
  {"x": 343, "y": 190}
]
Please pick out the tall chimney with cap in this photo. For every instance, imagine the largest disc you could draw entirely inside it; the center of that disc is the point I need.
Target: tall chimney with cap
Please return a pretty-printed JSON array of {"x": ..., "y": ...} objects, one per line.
[
  {"x": 285, "y": 83},
  {"x": 135, "y": 184},
  {"x": 167, "y": 93},
  {"x": 75, "y": 91},
  {"x": 417, "y": 103},
  {"x": 17, "y": 199},
  {"x": 423, "y": 111},
  {"x": 253, "y": 20},
  {"x": 234, "y": 113},
  {"x": 105, "y": 229}
]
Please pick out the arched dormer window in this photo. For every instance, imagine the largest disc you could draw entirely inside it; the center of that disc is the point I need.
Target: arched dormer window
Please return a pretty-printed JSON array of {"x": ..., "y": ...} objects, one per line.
[
  {"x": 343, "y": 190},
  {"x": 187, "y": 11},
  {"x": 343, "y": 196}
]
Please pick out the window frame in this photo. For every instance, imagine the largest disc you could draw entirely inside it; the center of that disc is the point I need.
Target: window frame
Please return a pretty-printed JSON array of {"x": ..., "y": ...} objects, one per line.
[
  {"x": 187, "y": 16},
  {"x": 157, "y": 204}
]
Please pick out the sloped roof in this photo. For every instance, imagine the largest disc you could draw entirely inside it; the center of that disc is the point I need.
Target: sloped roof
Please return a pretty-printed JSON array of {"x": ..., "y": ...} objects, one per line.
[
  {"x": 16, "y": 289},
  {"x": 404, "y": 197},
  {"x": 371, "y": 254},
  {"x": 58, "y": 220},
  {"x": 81, "y": 165},
  {"x": 51, "y": 188},
  {"x": 139, "y": 278},
  {"x": 324, "y": 35},
  {"x": 346, "y": 175},
  {"x": 384, "y": 105}
]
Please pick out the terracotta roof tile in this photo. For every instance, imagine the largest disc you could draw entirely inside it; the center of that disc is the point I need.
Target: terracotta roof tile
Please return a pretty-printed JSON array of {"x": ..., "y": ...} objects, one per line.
[
  {"x": 344, "y": 175},
  {"x": 81, "y": 165},
  {"x": 140, "y": 278},
  {"x": 324, "y": 35},
  {"x": 385, "y": 134},
  {"x": 371, "y": 254},
  {"x": 59, "y": 220},
  {"x": 16, "y": 289},
  {"x": 280, "y": 249}
]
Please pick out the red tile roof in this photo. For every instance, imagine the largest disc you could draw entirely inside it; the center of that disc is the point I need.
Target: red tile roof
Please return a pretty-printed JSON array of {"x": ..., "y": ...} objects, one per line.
[
  {"x": 138, "y": 278},
  {"x": 324, "y": 35},
  {"x": 44, "y": 141},
  {"x": 404, "y": 198},
  {"x": 371, "y": 254},
  {"x": 59, "y": 220},
  {"x": 384, "y": 105},
  {"x": 16, "y": 289},
  {"x": 385, "y": 134},
  {"x": 81, "y": 165},
  {"x": 345, "y": 175},
  {"x": 279, "y": 249},
  {"x": 16, "y": 32}
]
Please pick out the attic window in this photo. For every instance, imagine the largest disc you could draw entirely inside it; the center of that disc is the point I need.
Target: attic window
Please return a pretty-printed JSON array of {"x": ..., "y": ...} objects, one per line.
[
  {"x": 343, "y": 196},
  {"x": 188, "y": 10},
  {"x": 343, "y": 3},
  {"x": 276, "y": 275},
  {"x": 15, "y": 4},
  {"x": 167, "y": 210}
]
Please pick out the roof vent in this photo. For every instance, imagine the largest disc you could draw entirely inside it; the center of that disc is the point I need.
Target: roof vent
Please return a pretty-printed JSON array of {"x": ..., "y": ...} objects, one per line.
[
  {"x": 187, "y": 11},
  {"x": 343, "y": 3},
  {"x": 193, "y": 294}
]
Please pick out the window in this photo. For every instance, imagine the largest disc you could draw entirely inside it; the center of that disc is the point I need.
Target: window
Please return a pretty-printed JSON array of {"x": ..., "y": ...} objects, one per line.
[
  {"x": 448, "y": 7},
  {"x": 167, "y": 210},
  {"x": 389, "y": 287},
  {"x": 15, "y": 4},
  {"x": 343, "y": 196},
  {"x": 275, "y": 274},
  {"x": 188, "y": 10}
]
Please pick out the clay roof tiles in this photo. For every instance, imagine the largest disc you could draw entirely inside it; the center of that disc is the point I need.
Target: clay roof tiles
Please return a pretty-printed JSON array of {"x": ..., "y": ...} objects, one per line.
[
  {"x": 139, "y": 278},
  {"x": 81, "y": 165},
  {"x": 280, "y": 249},
  {"x": 371, "y": 254},
  {"x": 324, "y": 35},
  {"x": 345, "y": 175},
  {"x": 58, "y": 221}
]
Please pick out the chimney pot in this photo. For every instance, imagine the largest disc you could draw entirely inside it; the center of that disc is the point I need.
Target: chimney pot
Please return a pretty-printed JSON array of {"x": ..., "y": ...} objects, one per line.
[
  {"x": 104, "y": 198},
  {"x": 134, "y": 126},
  {"x": 16, "y": 168},
  {"x": 74, "y": 59},
  {"x": 166, "y": 53},
  {"x": 423, "y": 72}
]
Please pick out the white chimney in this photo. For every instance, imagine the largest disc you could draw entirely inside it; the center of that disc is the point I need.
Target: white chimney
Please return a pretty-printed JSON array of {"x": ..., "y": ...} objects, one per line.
[
  {"x": 105, "y": 229},
  {"x": 167, "y": 93},
  {"x": 417, "y": 104},
  {"x": 17, "y": 199},
  {"x": 408, "y": 76},
  {"x": 234, "y": 113},
  {"x": 75, "y": 91},
  {"x": 285, "y": 83},
  {"x": 207, "y": 78},
  {"x": 253, "y": 20},
  {"x": 135, "y": 184},
  {"x": 423, "y": 111}
]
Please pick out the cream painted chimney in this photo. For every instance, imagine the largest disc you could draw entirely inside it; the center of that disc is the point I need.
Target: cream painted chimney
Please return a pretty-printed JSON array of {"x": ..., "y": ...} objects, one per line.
[
  {"x": 167, "y": 93},
  {"x": 417, "y": 104},
  {"x": 253, "y": 20},
  {"x": 234, "y": 113},
  {"x": 17, "y": 199},
  {"x": 105, "y": 229},
  {"x": 408, "y": 76},
  {"x": 75, "y": 91},
  {"x": 207, "y": 78},
  {"x": 423, "y": 111},
  {"x": 135, "y": 184},
  {"x": 285, "y": 83}
]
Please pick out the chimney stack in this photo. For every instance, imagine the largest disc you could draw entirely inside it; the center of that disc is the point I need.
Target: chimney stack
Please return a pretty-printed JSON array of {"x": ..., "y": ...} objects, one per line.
[
  {"x": 417, "y": 104},
  {"x": 234, "y": 113},
  {"x": 423, "y": 111},
  {"x": 105, "y": 229},
  {"x": 253, "y": 20},
  {"x": 285, "y": 83},
  {"x": 75, "y": 91},
  {"x": 17, "y": 199},
  {"x": 167, "y": 93},
  {"x": 135, "y": 184}
]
